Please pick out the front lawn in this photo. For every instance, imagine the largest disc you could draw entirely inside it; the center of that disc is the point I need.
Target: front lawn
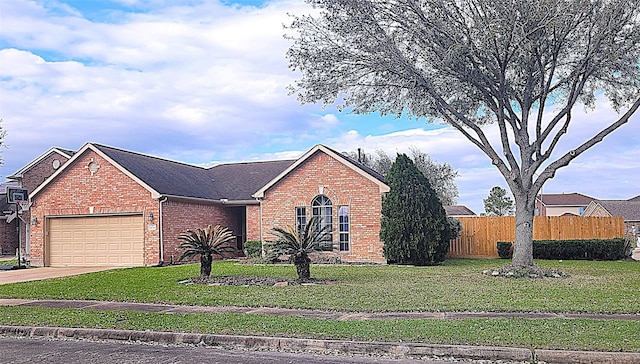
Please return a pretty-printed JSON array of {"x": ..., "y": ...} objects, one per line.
[{"x": 459, "y": 285}]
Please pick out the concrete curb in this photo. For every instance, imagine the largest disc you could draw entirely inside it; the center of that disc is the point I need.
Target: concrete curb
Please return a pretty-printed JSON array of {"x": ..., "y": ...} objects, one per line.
[
  {"x": 586, "y": 357},
  {"x": 399, "y": 350}
]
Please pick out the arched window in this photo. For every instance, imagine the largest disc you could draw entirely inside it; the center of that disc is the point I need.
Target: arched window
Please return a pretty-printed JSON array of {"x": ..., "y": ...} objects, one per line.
[{"x": 322, "y": 207}]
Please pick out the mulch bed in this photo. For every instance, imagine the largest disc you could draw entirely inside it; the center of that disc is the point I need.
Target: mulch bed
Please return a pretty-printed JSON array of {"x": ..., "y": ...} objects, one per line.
[
  {"x": 253, "y": 281},
  {"x": 535, "y": 272}
]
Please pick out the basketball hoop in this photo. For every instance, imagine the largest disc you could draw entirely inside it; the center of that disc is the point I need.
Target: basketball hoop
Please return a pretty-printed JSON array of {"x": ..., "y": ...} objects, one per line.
[{"x": 23, "y": 206}]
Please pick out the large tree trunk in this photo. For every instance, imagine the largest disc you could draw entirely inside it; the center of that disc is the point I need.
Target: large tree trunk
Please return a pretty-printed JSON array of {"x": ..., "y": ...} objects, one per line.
[
  {"x": 205, "y": 265},
  {"x": 523, "y": 244}
]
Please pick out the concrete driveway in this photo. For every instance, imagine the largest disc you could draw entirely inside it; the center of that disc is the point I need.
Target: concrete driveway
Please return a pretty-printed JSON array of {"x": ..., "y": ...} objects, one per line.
[{"x": 36, "y": 274}]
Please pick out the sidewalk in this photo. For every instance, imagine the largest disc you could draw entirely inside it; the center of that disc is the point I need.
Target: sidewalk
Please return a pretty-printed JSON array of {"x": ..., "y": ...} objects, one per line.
[
  {"x": 403, "y": 350},
  {"x": 329, "y": 315}
]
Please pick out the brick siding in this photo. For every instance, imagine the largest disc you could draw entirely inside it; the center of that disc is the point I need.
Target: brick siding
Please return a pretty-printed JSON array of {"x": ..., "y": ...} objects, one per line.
[
  {"x": 8, "y": 237},
  {"x": 322, "y": 174},
  {"x": 180, "y": 216},
  {"x": 38, "y": 173}
]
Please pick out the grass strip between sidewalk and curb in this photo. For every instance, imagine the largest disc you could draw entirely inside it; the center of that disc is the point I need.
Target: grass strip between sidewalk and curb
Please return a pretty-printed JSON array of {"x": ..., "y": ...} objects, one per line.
[{"x": 566, "y": 334}]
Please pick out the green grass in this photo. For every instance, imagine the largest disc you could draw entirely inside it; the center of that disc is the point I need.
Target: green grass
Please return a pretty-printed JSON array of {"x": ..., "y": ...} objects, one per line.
[
  {"x": 458, "y": 285},
  {"x": 518, "y": 332}
]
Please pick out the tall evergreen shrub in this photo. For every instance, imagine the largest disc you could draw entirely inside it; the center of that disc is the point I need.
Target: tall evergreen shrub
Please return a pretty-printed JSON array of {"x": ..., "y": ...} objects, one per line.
[{"x": 414, "y": 226}]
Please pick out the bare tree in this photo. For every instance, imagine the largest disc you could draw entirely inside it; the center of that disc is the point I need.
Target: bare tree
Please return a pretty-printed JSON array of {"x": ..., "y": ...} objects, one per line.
[
  {"x": 3, "y": 135},
  {"x": 442, "y": 177},
  {"x": 521, "y": 64}
]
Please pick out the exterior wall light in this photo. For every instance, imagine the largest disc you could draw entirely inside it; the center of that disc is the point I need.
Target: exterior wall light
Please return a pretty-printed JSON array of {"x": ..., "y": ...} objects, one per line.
[{"x": 150, "y": 217}]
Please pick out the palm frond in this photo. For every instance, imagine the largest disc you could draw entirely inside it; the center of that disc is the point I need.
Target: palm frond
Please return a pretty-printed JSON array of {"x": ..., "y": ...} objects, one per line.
[
  {"x": 290, "y": 241},
  {"x": 207, "y": 241}
]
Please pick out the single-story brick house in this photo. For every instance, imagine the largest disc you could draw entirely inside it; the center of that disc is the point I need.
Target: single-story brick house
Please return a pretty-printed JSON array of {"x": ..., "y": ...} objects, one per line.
[
  {"x": 9, "y": 226},
  {"x": 107, "y": 206}
]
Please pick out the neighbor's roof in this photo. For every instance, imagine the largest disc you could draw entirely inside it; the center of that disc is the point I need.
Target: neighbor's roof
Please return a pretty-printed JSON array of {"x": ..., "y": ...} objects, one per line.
[
  {"x": 62, "y": 151},
  {"x": 458, "y": 210},
  {"x": 565, "y": 199},
  {"x": 629, "y": 210}
]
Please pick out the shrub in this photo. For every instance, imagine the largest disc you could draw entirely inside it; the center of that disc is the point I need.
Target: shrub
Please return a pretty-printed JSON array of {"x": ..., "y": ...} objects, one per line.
[
  {"x": 595, "y": 249},
  {"x": 253, "y": 248},
  {"x": 414, "y": 226},
  {"x": 455, "y": 227},
  {"x": 504, "y": 249}
]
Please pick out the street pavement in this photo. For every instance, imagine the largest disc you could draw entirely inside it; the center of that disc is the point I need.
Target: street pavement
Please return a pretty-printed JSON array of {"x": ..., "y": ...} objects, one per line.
[{"x": 42, "y": 350}]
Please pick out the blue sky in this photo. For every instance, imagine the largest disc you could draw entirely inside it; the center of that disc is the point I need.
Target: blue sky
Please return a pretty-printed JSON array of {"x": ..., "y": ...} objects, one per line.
[{"x": 203, "y": 82}]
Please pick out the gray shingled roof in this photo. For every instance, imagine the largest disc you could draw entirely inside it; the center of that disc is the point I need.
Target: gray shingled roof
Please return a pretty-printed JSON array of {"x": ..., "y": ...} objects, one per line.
[
  {"x": 236, "y": 181},
  {"x": 4, "y": 206},
  {"x": 629, "y": 210},
  {"x": 565, "y": 199},
  {"x": 458, "y": 210}
]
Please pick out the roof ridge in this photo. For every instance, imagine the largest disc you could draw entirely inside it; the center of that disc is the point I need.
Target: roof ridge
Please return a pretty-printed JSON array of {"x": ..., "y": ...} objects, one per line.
[
  {"x": 99, "y": 146},
  {"x": 253, "y": 162}
]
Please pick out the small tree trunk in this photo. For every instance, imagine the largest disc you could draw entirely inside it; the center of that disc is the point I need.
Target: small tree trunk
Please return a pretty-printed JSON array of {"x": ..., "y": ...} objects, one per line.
[
  {"x": 523, "y": 244},
  {"x": 205, "y": 265},
  {"x": 303, "y": 267}
]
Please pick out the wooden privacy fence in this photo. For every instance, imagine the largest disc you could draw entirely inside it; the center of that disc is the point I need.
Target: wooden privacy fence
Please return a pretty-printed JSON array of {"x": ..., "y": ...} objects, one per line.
[{"x": 480, "y": 234}]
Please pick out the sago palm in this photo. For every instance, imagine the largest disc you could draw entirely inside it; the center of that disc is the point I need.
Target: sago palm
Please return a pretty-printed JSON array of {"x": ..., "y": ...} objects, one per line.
[
  {"x": 207, "y": 243},
  {"x": 299, "y": 244}
]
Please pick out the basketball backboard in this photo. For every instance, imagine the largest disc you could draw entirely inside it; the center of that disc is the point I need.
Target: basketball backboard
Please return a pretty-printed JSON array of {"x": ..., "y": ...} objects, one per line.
[{"x": 15, "y": 194}]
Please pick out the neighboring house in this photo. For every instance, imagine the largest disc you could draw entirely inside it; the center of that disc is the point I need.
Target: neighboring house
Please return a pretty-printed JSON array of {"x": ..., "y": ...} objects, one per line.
[
  {"x": 29, "y": 177},
  {"x": 108, "y": 206},
  {"x": 8, "y": 223},
  {"x": 628, "y": 209},
  {"x": 559, "y": 204},
  {"x": 459, "y": 211}
]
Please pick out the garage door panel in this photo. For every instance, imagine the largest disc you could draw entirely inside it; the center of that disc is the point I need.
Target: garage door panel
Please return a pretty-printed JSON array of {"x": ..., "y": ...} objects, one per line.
[{"x": 96, "y": 241}]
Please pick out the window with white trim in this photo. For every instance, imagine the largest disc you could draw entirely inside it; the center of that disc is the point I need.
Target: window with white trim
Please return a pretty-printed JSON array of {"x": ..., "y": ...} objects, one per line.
[
  {"x": 322, "y": 207},
  {"x": 301, "y": 219},
  {"x": 343, "y": 228}
]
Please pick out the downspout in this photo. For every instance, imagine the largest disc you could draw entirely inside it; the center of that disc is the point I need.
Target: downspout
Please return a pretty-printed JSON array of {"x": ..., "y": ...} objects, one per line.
[
  {"x": 262, "y": 253},
  {"x": 160, "y": 228}
]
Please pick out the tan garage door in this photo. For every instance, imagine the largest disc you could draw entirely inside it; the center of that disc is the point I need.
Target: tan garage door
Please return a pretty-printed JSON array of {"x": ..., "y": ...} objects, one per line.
[{"x": 96, "y": 241}]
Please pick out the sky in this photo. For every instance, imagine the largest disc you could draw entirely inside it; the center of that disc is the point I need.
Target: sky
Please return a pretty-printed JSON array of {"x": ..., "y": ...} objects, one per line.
[{"x": 204, "y": 82}]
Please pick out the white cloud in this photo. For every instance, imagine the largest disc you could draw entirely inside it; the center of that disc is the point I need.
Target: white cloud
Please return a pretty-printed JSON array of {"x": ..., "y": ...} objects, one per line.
[{"x": 203, "y": 82}]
